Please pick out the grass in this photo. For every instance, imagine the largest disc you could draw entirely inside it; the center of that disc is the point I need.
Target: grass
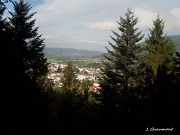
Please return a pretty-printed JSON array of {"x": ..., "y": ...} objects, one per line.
[{"x": 54, "y": 60}]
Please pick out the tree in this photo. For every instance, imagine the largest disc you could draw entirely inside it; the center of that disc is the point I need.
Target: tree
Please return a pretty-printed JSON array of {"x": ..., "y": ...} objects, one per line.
[
  {"x": 22, "y": 101},
  {"x": 69, "y": 80},
  {"x": 4, "y": 32},
  {"x": 2, "y": 8},
  {"x": 28, "y": 45},
  {"x": 2, "y": 3},
  {"x": 119, "y": 70},
  {"x": 159, "y": 50}
]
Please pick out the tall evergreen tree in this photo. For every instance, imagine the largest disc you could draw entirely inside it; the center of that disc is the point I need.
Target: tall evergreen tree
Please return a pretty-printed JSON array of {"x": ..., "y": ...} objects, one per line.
[
  {"x": 119, "y": 71},
  {"x": 22, "y": 104},
  {"x": 159, "y": 50},
  {"x": 2, "y": 27},
  {"x": 2, "y": 8},
  {"x": 3, "y": 30},
  {"x": 28, "y": 45}
]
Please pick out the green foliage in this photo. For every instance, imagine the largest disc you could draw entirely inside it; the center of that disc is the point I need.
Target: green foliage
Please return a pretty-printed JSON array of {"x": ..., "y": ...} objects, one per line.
[
  {"x": 69, "y": 79},
  {"x": 160, "y": 80},
  {"x": 27, "y": 44},
  {"x": 23, "y": 98},
  {"x": 85, "y": 87},
  {"x": 119, "y": 68},
  {"x": 160, "y": 49}
]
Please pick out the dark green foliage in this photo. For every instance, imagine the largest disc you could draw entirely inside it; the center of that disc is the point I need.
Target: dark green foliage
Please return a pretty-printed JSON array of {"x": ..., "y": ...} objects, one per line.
[
  {"x": 160, "y": 50},
  {"x": 69, "y": 79},
  {"x": 122, "y": 75},
  {"x": 23, "y": 100},
  {"x": 161, "y": 105},
  {"x": 85, "y": 84},
  {"x": 28, "y": 46},
  {"x": 120, "y": 67}
]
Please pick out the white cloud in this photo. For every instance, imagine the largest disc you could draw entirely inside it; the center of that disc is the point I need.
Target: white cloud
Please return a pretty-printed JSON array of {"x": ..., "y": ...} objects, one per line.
[
  {"x": 55, "y": 10},
  {"x": 91, "y": 21},
  {"x": 49, "y": 37},
  {"x": 90, "y": 42},
  {"x": 174, "y": 21},
  {"x": 176, "y": 13},
  {"x": 85, "y": 41},
  {"x": 103, "y": 26},
  {"x": 145, "y": 17}
]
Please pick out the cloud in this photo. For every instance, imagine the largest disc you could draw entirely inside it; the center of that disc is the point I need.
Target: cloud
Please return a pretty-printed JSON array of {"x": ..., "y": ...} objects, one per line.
[
  {"x": 174, "y": 21},
  {"x": 103, "y": 26},
  {"x": 176, "y": 13},
  {"x": 90, "y": 42},
  {"x": 88, "y": 23},
  {"x": 85, "y": 41},
  {"x": 145, "y": 17},
  {"x": 49, "y": 37},
  {"x": 52, "y": 11}
]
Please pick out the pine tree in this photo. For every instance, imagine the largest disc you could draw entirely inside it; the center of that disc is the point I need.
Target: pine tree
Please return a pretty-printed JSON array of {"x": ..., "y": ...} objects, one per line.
[
  {"x": 2, "y": 28},
  {"x": 28, "y": 45},
  {"x": 159, "y": 50},
  {"x": 5, "y": 38},
  {"x": 2, "y": 8},
  {"x": 23, "y": 106},
  {"x": 69, "y": 79},
  {"x": 119, "y": 71}
]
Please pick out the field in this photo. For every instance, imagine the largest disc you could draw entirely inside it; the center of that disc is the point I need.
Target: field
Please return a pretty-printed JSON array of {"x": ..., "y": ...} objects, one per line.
[{"x": 54, "y": 60}]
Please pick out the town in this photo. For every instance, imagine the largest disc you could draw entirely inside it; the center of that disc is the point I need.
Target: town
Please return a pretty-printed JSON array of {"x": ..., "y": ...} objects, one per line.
[{"x": 88, "y": 69}]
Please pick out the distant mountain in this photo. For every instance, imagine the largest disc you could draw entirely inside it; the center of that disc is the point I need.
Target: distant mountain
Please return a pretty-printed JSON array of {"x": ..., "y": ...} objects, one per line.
[
  {"x": 70, "y": 53},
  {"x": 102, "y": 56}
]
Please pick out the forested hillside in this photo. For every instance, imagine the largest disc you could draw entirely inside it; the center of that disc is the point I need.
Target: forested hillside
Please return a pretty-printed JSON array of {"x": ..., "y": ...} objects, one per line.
[{"x": 70, "y": 53}]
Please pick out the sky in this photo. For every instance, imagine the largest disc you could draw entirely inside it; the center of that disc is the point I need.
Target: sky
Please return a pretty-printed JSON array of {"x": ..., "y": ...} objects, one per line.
[{"x": 87, "y": 24}]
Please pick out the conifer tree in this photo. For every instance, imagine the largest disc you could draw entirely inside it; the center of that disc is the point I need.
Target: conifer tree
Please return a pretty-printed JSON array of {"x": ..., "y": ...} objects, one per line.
[
  {"x": 159, "y": 50},
  {"x": 2, "y": 27},
  {"x": 2, "y": 8},
  {"x": 28, "y": 45},
  {"x": 69, "y": 79},
  {"x": 120, "y": 66},
  {"x": 22, "y": 103}
]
